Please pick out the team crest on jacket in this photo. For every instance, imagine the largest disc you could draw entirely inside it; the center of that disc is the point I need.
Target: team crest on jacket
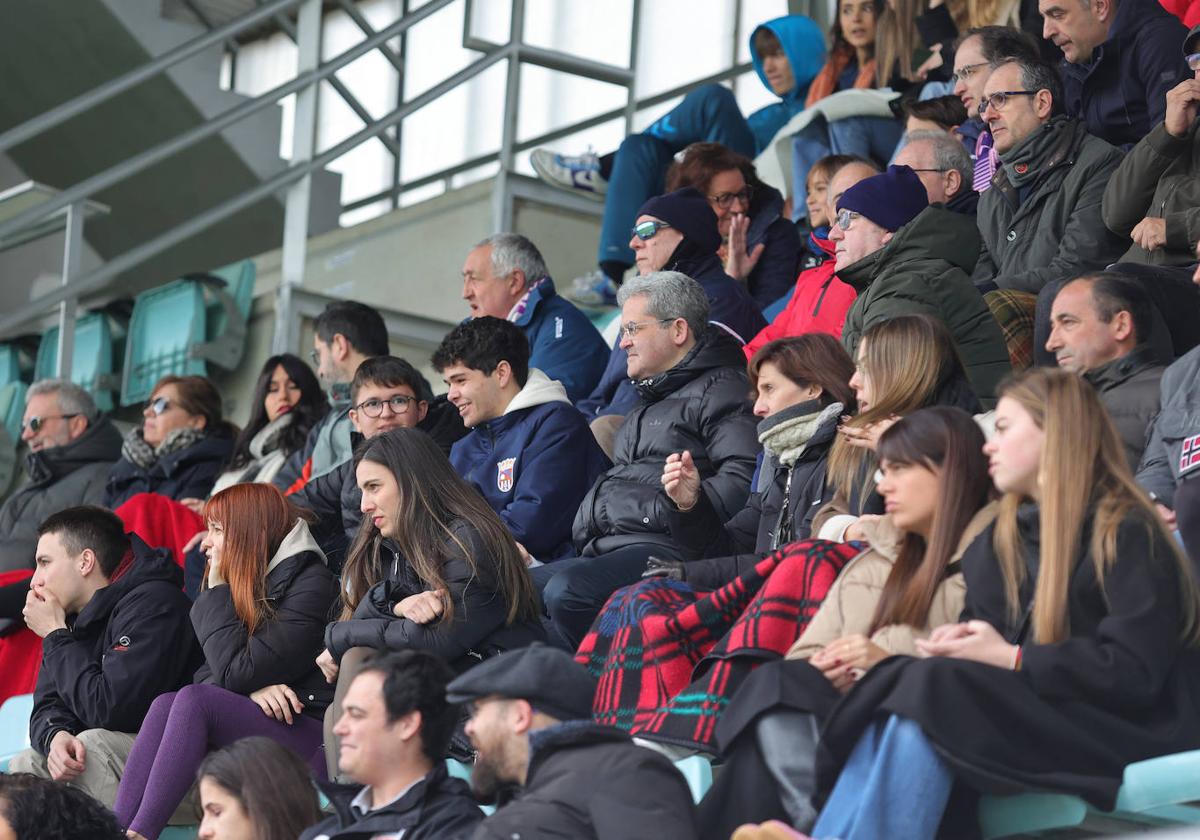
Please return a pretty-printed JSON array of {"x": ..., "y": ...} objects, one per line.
[{"x": 504, "y": 474}]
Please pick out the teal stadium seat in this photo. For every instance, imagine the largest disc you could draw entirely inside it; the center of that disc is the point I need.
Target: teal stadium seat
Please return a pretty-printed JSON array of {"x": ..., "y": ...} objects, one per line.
[
  {"x": 12, "y": 408},
  {"x": 10, "y": 364},
  {"x": 14, "y": 727},
  {"x": 1156, "y": 792},
  {"x": 698, "y": 772},
  {"x": 94, "y": 363},
  {"x": 183, "y": 326}
]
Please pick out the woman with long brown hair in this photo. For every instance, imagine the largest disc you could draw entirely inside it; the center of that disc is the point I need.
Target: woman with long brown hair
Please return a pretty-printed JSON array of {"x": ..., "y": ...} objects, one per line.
[
  {"x": 259, "y": 621},
  {"x": 933, "y": 476},
  {"x": 1076, "y": 653}
]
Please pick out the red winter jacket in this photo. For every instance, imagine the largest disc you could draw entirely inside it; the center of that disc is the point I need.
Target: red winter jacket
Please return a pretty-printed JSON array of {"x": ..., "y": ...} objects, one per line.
[{"x": 819, "y": 304}]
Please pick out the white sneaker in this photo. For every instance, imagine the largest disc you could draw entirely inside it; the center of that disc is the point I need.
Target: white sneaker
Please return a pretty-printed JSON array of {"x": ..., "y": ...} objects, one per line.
[{"x": 578, "y": 173}]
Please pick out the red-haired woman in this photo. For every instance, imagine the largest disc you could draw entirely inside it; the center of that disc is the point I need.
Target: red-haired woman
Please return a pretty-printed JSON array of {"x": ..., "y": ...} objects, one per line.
[{"x": 261, "y": 621}]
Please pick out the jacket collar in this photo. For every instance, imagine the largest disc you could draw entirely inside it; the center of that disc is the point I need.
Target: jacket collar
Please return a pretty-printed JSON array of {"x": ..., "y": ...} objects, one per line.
[
  {"x": 573, "y": 733},
  {"x": 544, "y": 290},
  {"x": 144, "y": 566},
  {"x": 1119, "y": 371},
  {"x": 1052, "y": 145},
  {"x": 714, "y": 348},
  {"x": 401, "y": 813},
  {"x": 100, "y": 442}
]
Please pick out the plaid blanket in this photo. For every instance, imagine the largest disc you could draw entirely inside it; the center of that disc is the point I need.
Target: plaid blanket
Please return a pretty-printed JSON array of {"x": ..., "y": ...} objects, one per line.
[{"x": 668, "y": 659}]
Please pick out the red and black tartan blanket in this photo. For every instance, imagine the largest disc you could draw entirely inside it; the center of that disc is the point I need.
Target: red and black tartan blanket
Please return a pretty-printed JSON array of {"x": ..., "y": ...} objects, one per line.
[{"x": 668, "y": 659}]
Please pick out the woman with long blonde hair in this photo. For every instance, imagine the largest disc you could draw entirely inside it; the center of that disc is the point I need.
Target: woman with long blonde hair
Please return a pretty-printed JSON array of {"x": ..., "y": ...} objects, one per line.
[{"x": 1076, "y": 654}]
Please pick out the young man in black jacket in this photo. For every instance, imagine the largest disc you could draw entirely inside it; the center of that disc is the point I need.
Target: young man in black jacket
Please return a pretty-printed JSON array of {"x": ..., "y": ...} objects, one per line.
[
  {"x": 117, "y": 634},
  {"x": 394, "y": 731}
]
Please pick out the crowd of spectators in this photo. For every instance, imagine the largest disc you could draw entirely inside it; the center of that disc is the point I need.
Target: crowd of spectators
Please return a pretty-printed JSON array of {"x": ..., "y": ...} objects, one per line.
[{"x": 903, "y": 442}]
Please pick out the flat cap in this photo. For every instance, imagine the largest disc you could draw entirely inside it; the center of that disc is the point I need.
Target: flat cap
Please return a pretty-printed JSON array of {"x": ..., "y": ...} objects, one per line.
[{"x": 547, "y": 677}]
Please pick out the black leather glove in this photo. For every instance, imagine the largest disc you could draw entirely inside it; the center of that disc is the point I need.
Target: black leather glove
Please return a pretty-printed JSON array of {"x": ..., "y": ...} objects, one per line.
[{"x": 659, "y": 567}]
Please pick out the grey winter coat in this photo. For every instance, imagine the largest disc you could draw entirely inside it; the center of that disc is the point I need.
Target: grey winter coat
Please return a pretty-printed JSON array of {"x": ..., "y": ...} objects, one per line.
[
  {"x": 1160, "y": 179},
  {"x": 1163, "y": 462},
  {"x": 57, "y": 478},
  {"x": 1128, "y": 388},
  {"x": 1051, "y": 228}
]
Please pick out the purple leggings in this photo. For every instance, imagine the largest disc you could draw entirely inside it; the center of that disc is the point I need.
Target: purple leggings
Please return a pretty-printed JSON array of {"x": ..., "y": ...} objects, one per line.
[{"x": 180, "y": 729}]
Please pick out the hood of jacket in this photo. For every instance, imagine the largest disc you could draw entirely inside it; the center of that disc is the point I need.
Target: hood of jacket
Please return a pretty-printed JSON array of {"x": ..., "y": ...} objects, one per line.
[
  {"x": 443, "y": 423},
  {"x": 803, "y": 43},
  {"x": 715, "y": 348},
  {"x": 1119, "y": 371},
  {"x": 539, "y": 389},
  {"x": 141, "y": 565},
  {"x": 299, "y": 540},
  {"x": 935, "y": 234},
  {"x": 100, "y": 442}
]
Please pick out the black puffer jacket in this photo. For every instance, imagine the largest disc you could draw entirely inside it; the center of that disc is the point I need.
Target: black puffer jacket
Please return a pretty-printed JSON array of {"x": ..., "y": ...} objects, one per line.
[
  {"x": 301, "y": 593},
  {"x": 699, "y": 405},
  {"x": 477, "y": 631},
  {"x": 188, "y": 473}
]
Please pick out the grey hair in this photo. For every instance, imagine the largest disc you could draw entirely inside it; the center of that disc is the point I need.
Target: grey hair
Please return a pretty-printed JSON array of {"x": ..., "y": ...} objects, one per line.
[
  {"x": 669, "y": 294},
  {"x": 1038, "y": 75},
  {"x": 512, "y": 252},
  {"x": 948, "y": 152},
  {"x": 71, "y": 398}
]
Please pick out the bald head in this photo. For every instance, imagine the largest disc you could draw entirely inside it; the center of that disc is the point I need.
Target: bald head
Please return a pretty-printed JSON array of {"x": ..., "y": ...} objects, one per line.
[{"x": 844, "y": 179}]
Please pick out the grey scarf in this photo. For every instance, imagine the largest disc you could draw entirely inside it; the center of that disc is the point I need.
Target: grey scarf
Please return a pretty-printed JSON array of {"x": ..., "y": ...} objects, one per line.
[
  {"x": 137, "y": 451},
  {"x": 785, "y": 434}
]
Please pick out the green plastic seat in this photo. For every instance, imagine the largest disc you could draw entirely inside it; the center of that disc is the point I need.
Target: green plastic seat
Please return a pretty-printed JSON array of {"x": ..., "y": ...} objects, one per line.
[
  {"x": 608, "y": 324},
  {"x": 12, "y": 408},
  {"x": 14, "y": 727},
  {"x": 10, "y": 364},
  {"x": 1156, "y": 792},
  {"x": 180, "y": 832},
  {"x": 94, "y": 361}
]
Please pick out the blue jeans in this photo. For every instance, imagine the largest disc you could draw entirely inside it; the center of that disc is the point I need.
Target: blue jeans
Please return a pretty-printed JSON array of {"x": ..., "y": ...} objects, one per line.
[
  {"x": 894, "y": 785},
  {"x": 709, "y": 114},
  {"x": 869, "y": 137}
]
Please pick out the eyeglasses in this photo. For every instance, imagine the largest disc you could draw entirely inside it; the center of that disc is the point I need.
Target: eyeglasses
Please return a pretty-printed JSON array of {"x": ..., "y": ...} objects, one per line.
[
  {"x": 846, "y": 217},
  {"x": 647, "y": 230},
  {"x": 1193, "y": 62},
  {"x": 34, "y": 424},
  {"x": 967, "y": 71},
  {"x": 725, "y": 200},
  {"x": 158, "y": 406},
  {"x": 374, "y": 408},
  {"x": 634, "y": 327},
  {"x": 931, "y": 169},
  {"x": 996, "y": 101}
]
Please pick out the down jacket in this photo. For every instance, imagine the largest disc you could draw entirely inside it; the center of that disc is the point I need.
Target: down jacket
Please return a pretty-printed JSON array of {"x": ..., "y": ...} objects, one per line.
[
  {"x": 699, "y": 405},
  {"x": 187, "y": 473}
]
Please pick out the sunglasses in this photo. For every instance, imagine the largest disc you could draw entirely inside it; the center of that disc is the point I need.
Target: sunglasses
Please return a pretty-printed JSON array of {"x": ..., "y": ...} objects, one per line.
[
  {"x": 35, "y": 424},
  {"x": 158, "y": 406},
  {"x": 647, "y": 230}
]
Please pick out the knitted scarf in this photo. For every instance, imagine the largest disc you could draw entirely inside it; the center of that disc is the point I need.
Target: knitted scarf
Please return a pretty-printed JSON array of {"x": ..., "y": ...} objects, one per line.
[
  {"x": 826, "y": 81},
  {"x": 137, "y": 451},
  {"x": 785, "y": 434}
]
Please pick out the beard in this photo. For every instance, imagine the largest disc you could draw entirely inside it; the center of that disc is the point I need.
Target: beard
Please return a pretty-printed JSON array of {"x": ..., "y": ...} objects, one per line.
[{"x": 486, "y": 780}]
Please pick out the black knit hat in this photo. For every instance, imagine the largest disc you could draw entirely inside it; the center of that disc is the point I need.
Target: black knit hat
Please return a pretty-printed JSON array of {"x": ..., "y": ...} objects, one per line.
[
  {"x": 890, "y": 200},
  {"x": 688, "y": 212}
]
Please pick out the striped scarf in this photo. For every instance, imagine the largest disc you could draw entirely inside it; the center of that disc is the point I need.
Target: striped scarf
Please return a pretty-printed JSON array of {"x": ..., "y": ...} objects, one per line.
[
  {"x": 986, "y": 161},
  {"x": 520, "y": 306}
]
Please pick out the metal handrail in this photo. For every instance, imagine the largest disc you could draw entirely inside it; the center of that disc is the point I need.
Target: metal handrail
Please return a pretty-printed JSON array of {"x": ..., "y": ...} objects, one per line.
[{"x": 86, "y": 101}]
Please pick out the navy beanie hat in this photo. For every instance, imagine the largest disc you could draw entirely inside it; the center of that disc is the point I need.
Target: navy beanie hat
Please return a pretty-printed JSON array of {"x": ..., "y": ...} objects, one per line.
[
  {"x": 890, "y": 200},
  {"x": 688, "y": 212}
]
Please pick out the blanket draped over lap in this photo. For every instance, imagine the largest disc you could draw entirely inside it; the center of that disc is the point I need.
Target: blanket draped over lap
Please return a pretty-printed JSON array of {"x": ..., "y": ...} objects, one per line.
[{"x": 668, "y": 659}]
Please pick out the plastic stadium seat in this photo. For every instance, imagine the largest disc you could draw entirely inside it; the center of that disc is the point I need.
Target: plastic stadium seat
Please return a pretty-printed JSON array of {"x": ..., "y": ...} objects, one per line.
[
  {"x": 180, "y": 327},
  {"x": 12, "y": 408},
  {"x": 94, "y": 362},
  {"x": 609, "y": 325},
  {"x": 180, "y": 832},
  {"x": 14, "y": 727},
  {"x": 10, "y": 364},
  {"x": 1156, "y": 792},
  {"x": 458, "y": 770},
  {"x": 698, "y": 772}
]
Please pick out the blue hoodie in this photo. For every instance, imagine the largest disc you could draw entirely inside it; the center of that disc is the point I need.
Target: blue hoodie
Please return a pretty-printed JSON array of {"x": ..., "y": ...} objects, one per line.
[{"x": 804, "y": 45}]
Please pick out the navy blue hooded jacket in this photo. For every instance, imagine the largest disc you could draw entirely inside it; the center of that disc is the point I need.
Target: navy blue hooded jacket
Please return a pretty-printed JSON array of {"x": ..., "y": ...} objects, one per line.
[
  {"x": 533, "y": 465},
  {"x": 803, "y": 43},
  {"x": 562, "y": 341},
  {"x": 1122, "y": 94}
]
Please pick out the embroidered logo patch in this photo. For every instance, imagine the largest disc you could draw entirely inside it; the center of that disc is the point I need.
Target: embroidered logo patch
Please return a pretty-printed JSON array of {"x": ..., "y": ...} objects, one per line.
[
  {"x": 1189, "y": 458},
  {"x": 504, "y": 474},
  {"x": 1021, "y": 168}
]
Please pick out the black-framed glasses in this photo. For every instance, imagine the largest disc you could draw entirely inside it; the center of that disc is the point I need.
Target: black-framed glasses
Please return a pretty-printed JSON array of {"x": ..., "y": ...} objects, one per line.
[
  {"x": 928, "y": 169},
  {"x": 397, "y": 404},
  {"x": 1193, "y": 62},
  {"x": 157, "y": 406},
  {"x": 845, "y": 218},
  {"x": 35, "y": 423},
  {"x": 648, "y": 230},
  {"x": 725, "y": 200},
  {"x": 967, "y": 71},
  {"x": 634, "y": 327},
  {"x": 996, "y": 101}
]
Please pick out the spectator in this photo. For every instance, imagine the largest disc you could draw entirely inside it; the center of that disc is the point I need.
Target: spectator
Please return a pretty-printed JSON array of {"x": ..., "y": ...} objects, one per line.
[
  {"x": 71, "y": 449},
  {"x": 1071, "y": 720},
  {"x": 179, "y": 449},
  {"x": 531, "y": 726},
  {"x": 128, "y": 640},
  {"x": 817, "y": 248},
  {"x": 505, "y": 276},
  {"x": 394, "y": 733},
  {"x": 386, "y": 393},
  {"x": 692, "y": 383},
  {"x": 676, "y": 232},
  {"x": 760, "y": 247},
  {"x": 944, "y": 167},
  {"x": 1097, "y": 326},
  {"x": 820, "y": 300},
  {"x": 260, "y": 622},
  {"x": 255, "y": 789},
  {"x": 1041, "y": 222},
  {"x": 461, "y": 591},
  {"x": 904, "y": 257},
  {"x": 530, "y": 454},
  {"x": 786, "y": 52},
  {"x": 33, "y": 808},
  {"x": 287, "y": 403},
  {"x": 907, "y": 582},
  {"x": 1119, "y": 61},
  {"x": 944, "y": 114},
  {"x": 346, "y": 333}
]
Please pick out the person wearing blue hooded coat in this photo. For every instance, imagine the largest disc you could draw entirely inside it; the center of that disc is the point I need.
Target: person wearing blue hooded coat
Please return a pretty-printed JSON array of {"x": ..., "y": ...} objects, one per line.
[{"x": 786, "y": 57}]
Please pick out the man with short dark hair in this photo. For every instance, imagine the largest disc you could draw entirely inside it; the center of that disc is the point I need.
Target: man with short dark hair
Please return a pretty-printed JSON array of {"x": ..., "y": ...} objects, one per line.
[
  {"x": 1098, "y": 328},
  {"x": 346, "y": 333},
  {"x": 505, "y": 276},
  {"x": 529, "y": 453},
  {"x": 531, "y": 725},
  {"x": 117, "y": 634},
  {"x": 393, "y": 735}
]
